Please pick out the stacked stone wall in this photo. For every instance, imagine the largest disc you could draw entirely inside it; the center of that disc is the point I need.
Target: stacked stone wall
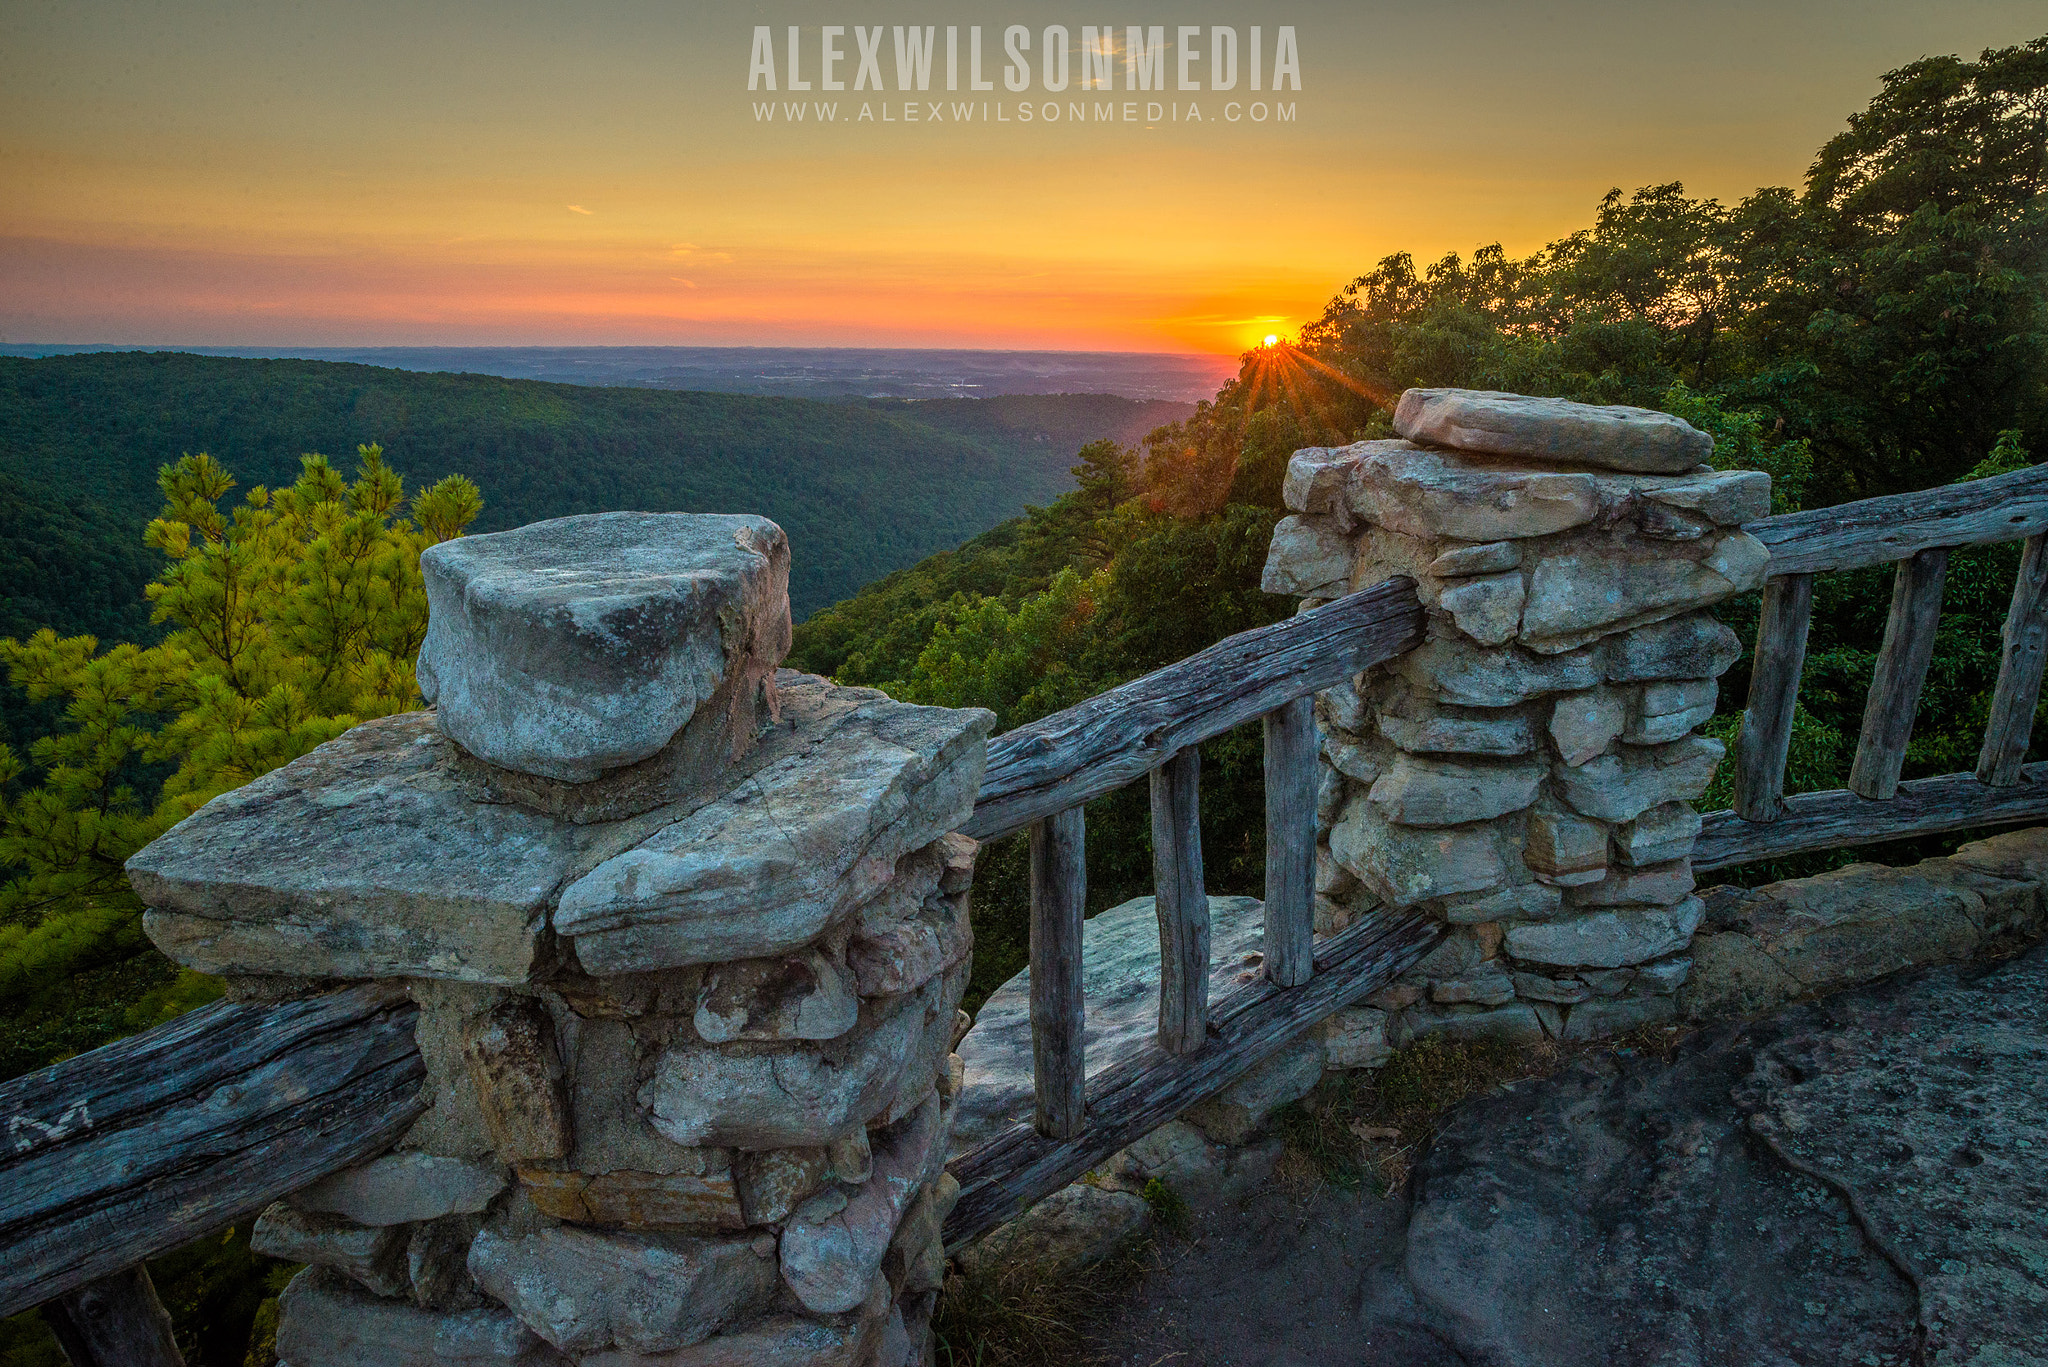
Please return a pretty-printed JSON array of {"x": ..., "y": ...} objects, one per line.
[
  {"x": 688, "y": 938},
  {"x": 1527, "y": 774}
]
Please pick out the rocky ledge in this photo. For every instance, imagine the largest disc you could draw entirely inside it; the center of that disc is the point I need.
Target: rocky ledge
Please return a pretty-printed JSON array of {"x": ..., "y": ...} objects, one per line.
[{"x": 1853, "y": 1180}]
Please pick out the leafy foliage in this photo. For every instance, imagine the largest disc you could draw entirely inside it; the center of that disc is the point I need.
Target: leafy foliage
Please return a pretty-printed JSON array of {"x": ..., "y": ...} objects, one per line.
[
  {"x": 1885, "y": 329},
  {"x": 291, "y": 617}
]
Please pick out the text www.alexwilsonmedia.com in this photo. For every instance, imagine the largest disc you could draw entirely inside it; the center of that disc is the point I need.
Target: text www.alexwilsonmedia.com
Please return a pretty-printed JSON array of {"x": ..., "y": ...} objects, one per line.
[{"x": 1241, "y": 71}]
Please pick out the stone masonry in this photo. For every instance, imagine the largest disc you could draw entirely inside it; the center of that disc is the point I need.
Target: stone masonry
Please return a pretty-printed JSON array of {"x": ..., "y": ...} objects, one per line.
[
  {"x": 1527, "y": 774},
  {"x": 688, "y": 935}
]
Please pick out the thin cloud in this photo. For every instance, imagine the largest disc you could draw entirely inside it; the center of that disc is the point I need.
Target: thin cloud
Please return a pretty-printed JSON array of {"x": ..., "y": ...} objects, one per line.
[{"x": 576, "y": 209}]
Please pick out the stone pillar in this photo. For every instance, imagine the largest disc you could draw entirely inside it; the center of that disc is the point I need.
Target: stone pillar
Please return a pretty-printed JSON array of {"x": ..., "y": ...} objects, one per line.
[
  {"x": 1527, "y": 774},
  {"x": 688, "y": 937}
]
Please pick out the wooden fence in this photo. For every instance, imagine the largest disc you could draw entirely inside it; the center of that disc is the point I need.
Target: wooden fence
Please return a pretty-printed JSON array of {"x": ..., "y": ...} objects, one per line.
[
  {"x": 1917, "y": 531},
  {"x": 128, "y": 1151}
]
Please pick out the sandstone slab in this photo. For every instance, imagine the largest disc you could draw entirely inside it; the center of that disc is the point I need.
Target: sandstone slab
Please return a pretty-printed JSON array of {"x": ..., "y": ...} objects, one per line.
[
  {"x": 803, "y": 1097},
  {"x": 831, "y": 1251},
  {"x": 584, "y": 1291},
  {"x": 1419, "y": 724},
  {"x": 1611, "y": 436},
  {"x": 1519, "y": 901},
  {"x": 1621, "y": 787},
  {"x": 1356, "y": 1037},
  {"x": 1583, "y": 725},
  {"x": 624, "y": 1199},
  {"x": 1838, "y": 929},
  {"x": 373, "y": 1256},
  {"x": 1485, "y": 984},
  {"x": 1439, "y": 792},
  {"x": 857, "y": 782},
  {"x": 1581, "y": 595},
  {"x": 1234, "y": 1114},
  {"x": 1120, "y": 999},
  {"x": 1446, "y": 669},
  {"x": 1694, "y": 646},
  {"x": 326, "y": 1321},
  {"x": 1403, "y": 865},
  {"x": 366, "y": 858},
  {"x": 582, "y": 644},
  {"x": 1307, "y": 556},
  {"x": 517, "y": 1069},
  {"x": 1565, "y": 850},
  {"x": 399, "y": 1188},
  {"x": 1663, "y": 832},
  {"x": 776, "y": 1341},
  {"x": 1513, "y": 1023},
  {"x": 1488, "y": 608},
  {"x": 774, "y": 1182},
  {"x": 1607, "y": 939},
  {"x": 1489, "y": 557},
  {"x": 804, "y": 995},
  {"x": 895, "y": 954},
  {"x": 1654, "y": 884},
  {"x": 1427, "y": 493},
  {"x": 1606, "y": 1017},
  {"x": 1727, "y": 498},
  {"x": 1316, "y": 479}
]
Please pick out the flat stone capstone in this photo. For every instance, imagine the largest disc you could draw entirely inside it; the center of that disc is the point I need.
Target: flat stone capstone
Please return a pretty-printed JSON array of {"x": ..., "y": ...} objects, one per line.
[
  {"x": 1613, "y": 436},
  {"x": 583, "y": 644}
]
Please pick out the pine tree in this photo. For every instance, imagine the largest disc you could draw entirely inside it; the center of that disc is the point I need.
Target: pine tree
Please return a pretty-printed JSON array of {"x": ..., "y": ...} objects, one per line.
[{"x": 293, "y": 615}]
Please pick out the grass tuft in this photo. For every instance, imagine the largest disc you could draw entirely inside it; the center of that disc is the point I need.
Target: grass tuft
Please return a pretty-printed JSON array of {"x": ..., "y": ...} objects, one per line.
[
  {"x": 1365, "y": 1127},
  {"x": 1169, "y": 1208},
  {"x": 1031, "y": 1315}
]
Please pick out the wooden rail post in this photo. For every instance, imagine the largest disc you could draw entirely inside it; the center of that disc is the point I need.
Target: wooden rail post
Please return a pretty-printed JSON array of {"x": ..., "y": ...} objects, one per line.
[
  {"x": 1291, "y": 842},
  {"x": 116, "y": 1321},
  {"x": 1766, "y": 737},
  {"x": 1901, "y": 670},
  {"x": 1182, "y": 904},
  {"x": 1059, "y": 891},
  {"x": 2024, "y": 652}
]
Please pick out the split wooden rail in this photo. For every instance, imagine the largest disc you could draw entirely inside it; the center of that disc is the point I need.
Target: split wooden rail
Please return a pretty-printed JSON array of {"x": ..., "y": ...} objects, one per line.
[
  {"x": 131, "y": 1150},
  {"x": 1038, "y": 778},
  {"x": 1917, "y": 531}
]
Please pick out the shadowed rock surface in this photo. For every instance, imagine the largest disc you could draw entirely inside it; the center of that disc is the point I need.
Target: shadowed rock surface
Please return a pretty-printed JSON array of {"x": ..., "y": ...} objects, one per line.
[{"x": 1854, "y": 1180}]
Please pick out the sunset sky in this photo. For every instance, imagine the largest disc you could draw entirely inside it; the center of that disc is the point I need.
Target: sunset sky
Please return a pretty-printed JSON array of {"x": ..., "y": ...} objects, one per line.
[{"x": 522, "y": 173}]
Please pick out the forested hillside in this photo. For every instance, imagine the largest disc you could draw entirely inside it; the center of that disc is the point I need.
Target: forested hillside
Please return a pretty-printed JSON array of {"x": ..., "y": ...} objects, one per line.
[
  {"x": 861, "y": 488},
  {"x": 1884, "y": 328}
]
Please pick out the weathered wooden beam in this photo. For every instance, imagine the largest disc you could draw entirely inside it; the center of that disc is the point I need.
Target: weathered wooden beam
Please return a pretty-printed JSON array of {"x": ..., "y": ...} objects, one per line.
[
  {"x": 1114, "y": 738},
  {"x": 1291, "y": 776},
  {"x": 139, "y": 1147},
  {"x": 2021, "y": 657},
  {"x": 1830, "y": 820},
  {"x": 1182, "y": 903},
  {"x": 1766, "y": 739},
  {"x": 1901, "y": 671},
  {"x": 1877, "y": 531},
  {"x": 116, "y": 1321},
  {"x": 1059, "y": 894},
  {"x": 1005, "y": 1174}
]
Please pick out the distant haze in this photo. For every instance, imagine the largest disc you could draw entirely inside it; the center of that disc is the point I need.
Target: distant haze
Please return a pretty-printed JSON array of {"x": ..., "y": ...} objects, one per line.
[
  {"x": 794, "y": 372},
  {"x": 428, "y": 173}
]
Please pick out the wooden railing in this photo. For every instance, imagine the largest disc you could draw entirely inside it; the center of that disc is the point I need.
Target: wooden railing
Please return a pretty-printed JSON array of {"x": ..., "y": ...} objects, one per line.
[
  {"x": 134, "y": 1149},
  {"x": 1916, "y": 530},
  {"x": 1038, "y": 777},
  {"x": 142, "y": 1146}
]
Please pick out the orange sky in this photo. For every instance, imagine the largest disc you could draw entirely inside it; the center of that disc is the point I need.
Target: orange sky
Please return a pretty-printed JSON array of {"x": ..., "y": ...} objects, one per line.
[{"x": 308, "y": 174}]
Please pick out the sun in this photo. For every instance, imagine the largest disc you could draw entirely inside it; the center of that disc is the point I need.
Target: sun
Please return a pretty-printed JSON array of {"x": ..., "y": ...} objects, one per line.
[{"x": 1272, "y": 339}]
